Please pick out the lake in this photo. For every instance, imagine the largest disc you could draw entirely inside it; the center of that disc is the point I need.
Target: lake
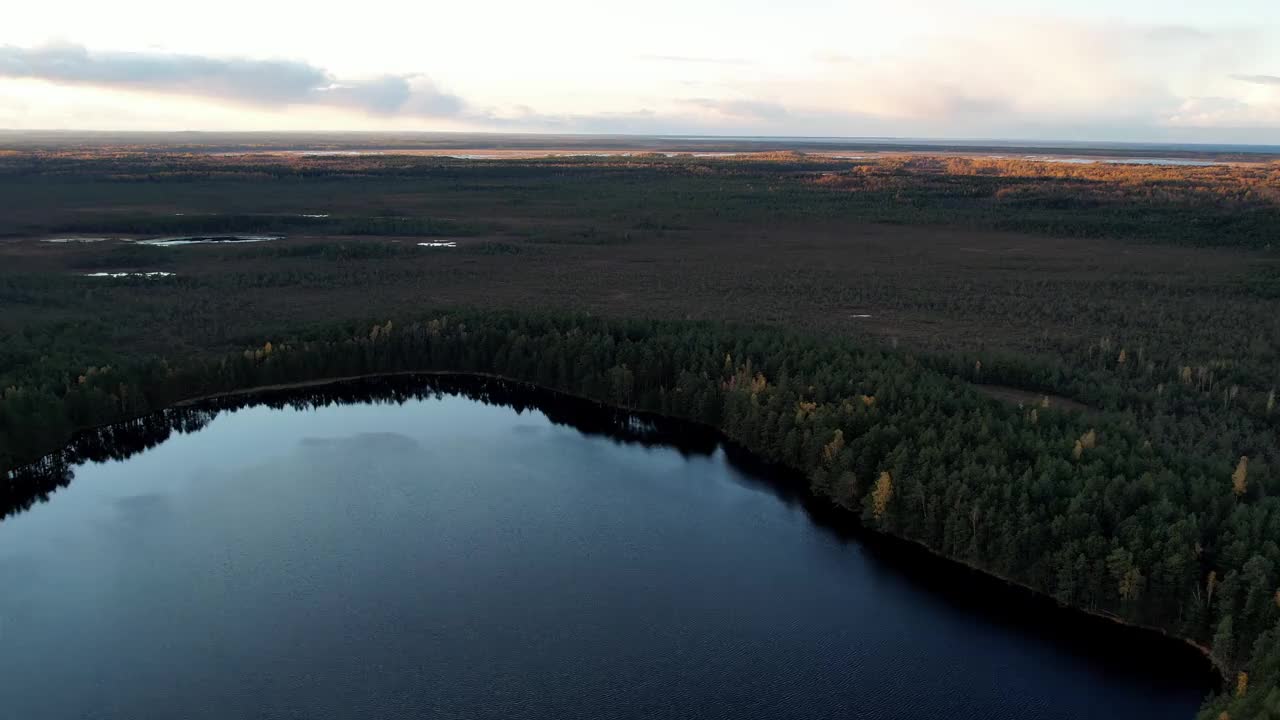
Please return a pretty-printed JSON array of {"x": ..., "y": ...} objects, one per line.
[{"x": 468, "y": 548}]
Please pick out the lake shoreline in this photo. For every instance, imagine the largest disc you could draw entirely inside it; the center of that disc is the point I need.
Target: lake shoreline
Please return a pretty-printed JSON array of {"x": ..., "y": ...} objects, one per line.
[
  {"x": 847, "y": 516},
  {"x": 842, "y": 518},
  {"x": 352, "y": 500}
]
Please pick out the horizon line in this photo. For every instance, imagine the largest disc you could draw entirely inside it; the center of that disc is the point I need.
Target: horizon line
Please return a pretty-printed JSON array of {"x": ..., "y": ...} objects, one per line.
[{"x": 1259, "y": 148}]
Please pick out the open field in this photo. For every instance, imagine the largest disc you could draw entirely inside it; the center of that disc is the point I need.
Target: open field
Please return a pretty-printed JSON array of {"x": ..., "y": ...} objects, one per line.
[{"x": 927, "y": 287}]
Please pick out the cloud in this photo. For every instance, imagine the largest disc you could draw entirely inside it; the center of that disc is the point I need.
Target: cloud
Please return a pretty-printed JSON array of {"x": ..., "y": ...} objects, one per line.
[
  {"x": 1207, "y": 110},
  {"x": 693, "y": 59},
  {"x": 1034, "y": 77},
  {"x": 1258, "y": 79},
  {"x": 1024, "y": 70},
  {"x": 749, "y": 109},
  {"x": 1175, "y": 35},
  {"x": 1220, "y": 112},
  {"x": 524, "y": 118},
  {"x": 262, "y": 83},
  {"x": 834, "y": 58},
  {"x": 1016, "y": 77}
]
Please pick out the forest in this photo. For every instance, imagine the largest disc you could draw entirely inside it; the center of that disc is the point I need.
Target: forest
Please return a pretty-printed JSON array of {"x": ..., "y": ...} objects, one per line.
[{"x": 1064, "y": 375}]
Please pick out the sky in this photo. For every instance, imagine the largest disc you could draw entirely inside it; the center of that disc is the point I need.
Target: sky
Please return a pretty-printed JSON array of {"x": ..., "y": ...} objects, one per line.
[{"x": 1080, "y": 70}]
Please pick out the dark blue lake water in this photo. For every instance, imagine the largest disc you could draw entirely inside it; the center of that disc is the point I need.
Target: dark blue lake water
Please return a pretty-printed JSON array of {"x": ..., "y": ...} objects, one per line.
[{"x": 447, "y": 558}]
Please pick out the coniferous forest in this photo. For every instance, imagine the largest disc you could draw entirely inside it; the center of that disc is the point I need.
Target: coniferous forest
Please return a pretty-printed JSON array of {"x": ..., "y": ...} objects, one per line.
[{"x": 1063, "y": 375}]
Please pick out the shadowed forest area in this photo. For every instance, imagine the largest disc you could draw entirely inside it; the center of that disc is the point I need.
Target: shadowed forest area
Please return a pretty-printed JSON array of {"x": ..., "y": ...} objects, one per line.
[{"x": 1061, "y": 373}]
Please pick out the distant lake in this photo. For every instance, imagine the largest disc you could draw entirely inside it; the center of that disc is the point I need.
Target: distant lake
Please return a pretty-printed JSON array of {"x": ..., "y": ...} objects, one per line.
[
  {"x": 1162, "y": 161},
  {"x": 1124, "y": 161},
  {"x": 456, "y": 548}
]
